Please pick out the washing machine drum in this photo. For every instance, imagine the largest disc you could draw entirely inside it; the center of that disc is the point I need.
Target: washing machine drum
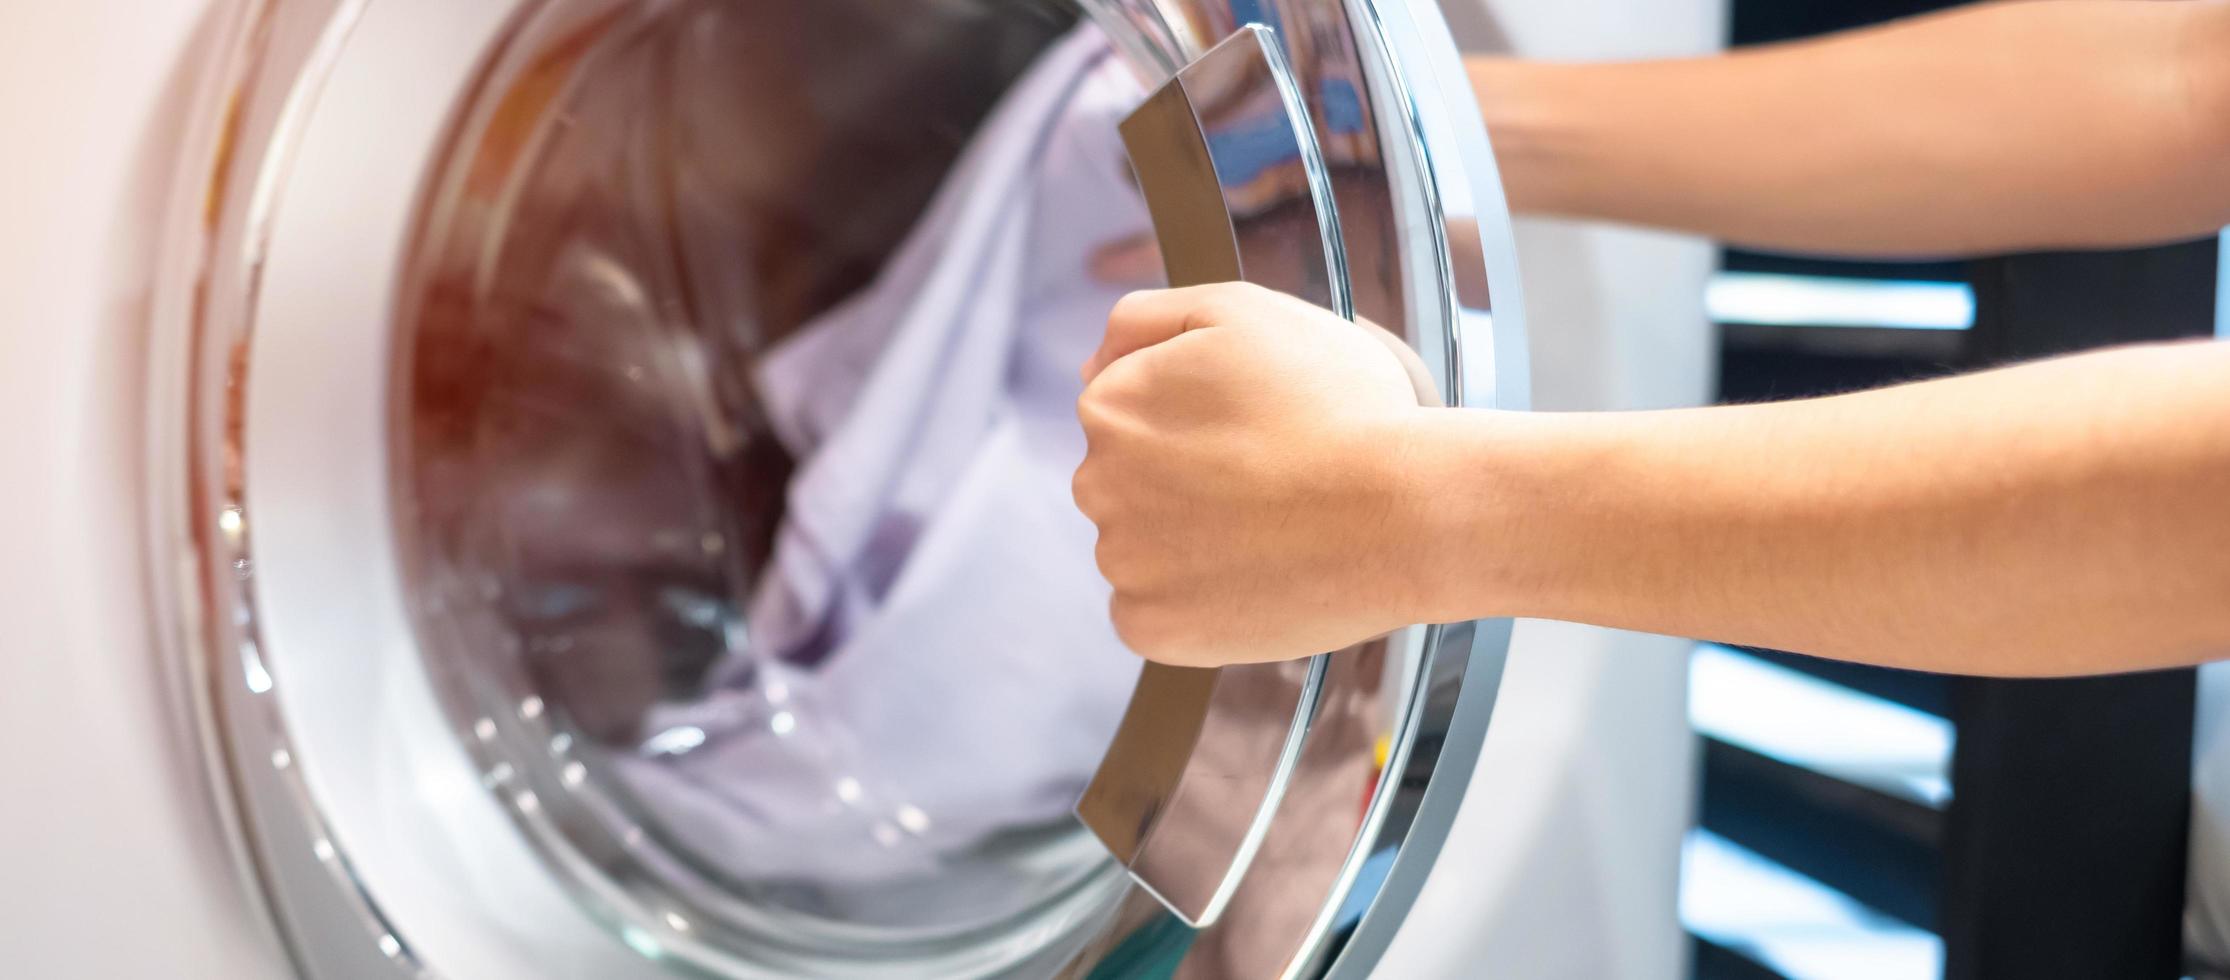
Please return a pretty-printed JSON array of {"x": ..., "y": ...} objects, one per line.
[{"x": 617, "y": 469}]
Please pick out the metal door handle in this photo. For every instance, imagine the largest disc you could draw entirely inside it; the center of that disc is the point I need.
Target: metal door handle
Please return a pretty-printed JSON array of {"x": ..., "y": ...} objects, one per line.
[{"x": 1238, "y": 190}]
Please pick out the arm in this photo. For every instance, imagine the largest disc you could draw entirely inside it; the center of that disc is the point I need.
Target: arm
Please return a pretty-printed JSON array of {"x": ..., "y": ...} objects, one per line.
[
  {"x": 1260, "y": 498},
  {"x": 2003, "y": 126}
]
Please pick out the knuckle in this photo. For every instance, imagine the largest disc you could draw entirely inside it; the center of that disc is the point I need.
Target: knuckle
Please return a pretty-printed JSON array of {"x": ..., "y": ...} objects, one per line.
[
  {"x": 1086, "y": 489},
  {"x": 1127, "y": 570},
  {"x": 1092, "y": 409},
  {"x": 1232, "y": 300},
  {"x": 1132, "y": 622},
  {"x": 1151, "y": 629},
  {"x": 1234, "y": 292},
  {"x": 1103, "y": 556},
  {"x": 1135, "y": 312},
  {"x": 1121, "y": 378},
  {"x": 1215, "y": 303},
  {"x": 1130, "y": 301},
  {"x": 1119, "y": 395}
]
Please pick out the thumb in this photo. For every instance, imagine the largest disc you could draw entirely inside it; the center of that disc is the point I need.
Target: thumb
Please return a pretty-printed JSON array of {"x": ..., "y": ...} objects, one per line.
[{"x": 1143, "y": 319}]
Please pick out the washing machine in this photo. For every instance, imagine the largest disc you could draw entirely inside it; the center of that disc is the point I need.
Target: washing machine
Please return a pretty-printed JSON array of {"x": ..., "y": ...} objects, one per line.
[{"x": 578, "y": 488}]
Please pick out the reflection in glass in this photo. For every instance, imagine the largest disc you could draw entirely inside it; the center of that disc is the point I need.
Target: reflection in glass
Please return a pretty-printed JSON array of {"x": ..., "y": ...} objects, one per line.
[{"x": 740, "y": 424}]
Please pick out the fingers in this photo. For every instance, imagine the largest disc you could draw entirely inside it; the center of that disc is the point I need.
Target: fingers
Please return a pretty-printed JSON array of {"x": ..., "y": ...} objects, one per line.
[
  {"x": 1143, "y": 319},
  {"x": 1143, "y": 630},
  {"x": 1420, "y": 376}
]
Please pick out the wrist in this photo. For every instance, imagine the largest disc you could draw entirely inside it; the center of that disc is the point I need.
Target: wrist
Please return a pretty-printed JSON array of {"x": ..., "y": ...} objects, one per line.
[{"x": 1479, "y": 502}]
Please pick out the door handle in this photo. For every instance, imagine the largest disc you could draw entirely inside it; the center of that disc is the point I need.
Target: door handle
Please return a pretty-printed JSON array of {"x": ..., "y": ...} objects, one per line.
[{"x": 1237, "y": 189}]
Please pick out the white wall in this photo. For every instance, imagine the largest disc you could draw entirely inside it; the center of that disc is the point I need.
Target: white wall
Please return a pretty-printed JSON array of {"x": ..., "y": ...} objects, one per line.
[{"x": 1565, "y": 859}]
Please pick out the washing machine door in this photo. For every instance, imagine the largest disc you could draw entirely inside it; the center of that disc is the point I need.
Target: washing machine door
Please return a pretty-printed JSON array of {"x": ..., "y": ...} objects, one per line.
[{"x": 612, "y": 468}]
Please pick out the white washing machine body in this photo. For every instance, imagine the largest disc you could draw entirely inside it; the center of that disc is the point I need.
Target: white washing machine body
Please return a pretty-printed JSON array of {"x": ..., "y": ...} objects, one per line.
[
  {"x": 235, "y": 748},
  {"x": 116, "y": 853},
  {"x": 1571, "y": 831}
]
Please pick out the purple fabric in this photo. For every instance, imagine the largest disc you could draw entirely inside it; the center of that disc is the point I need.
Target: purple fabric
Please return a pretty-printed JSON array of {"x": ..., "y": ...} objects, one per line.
[{"x": 929, "y": 660}]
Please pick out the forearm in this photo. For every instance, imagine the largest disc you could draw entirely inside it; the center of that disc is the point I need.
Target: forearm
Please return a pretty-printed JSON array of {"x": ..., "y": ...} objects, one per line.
[
  {"x": 2064, "y": 517},
  {"x": 2005, "y": 126}
]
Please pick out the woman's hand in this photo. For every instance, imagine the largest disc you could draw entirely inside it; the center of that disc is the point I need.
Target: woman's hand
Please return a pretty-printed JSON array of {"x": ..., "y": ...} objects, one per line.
[{"x": 1246, "y": 470}]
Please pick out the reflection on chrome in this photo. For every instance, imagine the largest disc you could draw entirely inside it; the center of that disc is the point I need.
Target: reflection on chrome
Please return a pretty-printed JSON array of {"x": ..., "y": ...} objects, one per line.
[
  {"x": 733, "y": 370},
  {"x": 1238, "y": 189}
]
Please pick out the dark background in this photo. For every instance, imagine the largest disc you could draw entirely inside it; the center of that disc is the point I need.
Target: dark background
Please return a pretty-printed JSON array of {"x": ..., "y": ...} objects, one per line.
[{"x": 2062, "y": 850}]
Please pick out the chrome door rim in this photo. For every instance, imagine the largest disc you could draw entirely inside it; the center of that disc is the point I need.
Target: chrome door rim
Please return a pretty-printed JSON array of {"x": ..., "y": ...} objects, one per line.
[{"x": 225, "y": 607}]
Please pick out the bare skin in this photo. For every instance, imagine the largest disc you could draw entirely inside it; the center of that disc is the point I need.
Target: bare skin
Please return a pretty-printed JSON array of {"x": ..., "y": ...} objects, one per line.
[
  {"x": 1260, "y": 499},
  {"x": 2049, "y": 123}
]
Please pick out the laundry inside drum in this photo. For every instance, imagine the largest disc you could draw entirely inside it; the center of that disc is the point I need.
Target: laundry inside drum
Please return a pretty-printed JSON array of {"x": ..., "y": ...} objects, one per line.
[{"x": 735, "y": 387}]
